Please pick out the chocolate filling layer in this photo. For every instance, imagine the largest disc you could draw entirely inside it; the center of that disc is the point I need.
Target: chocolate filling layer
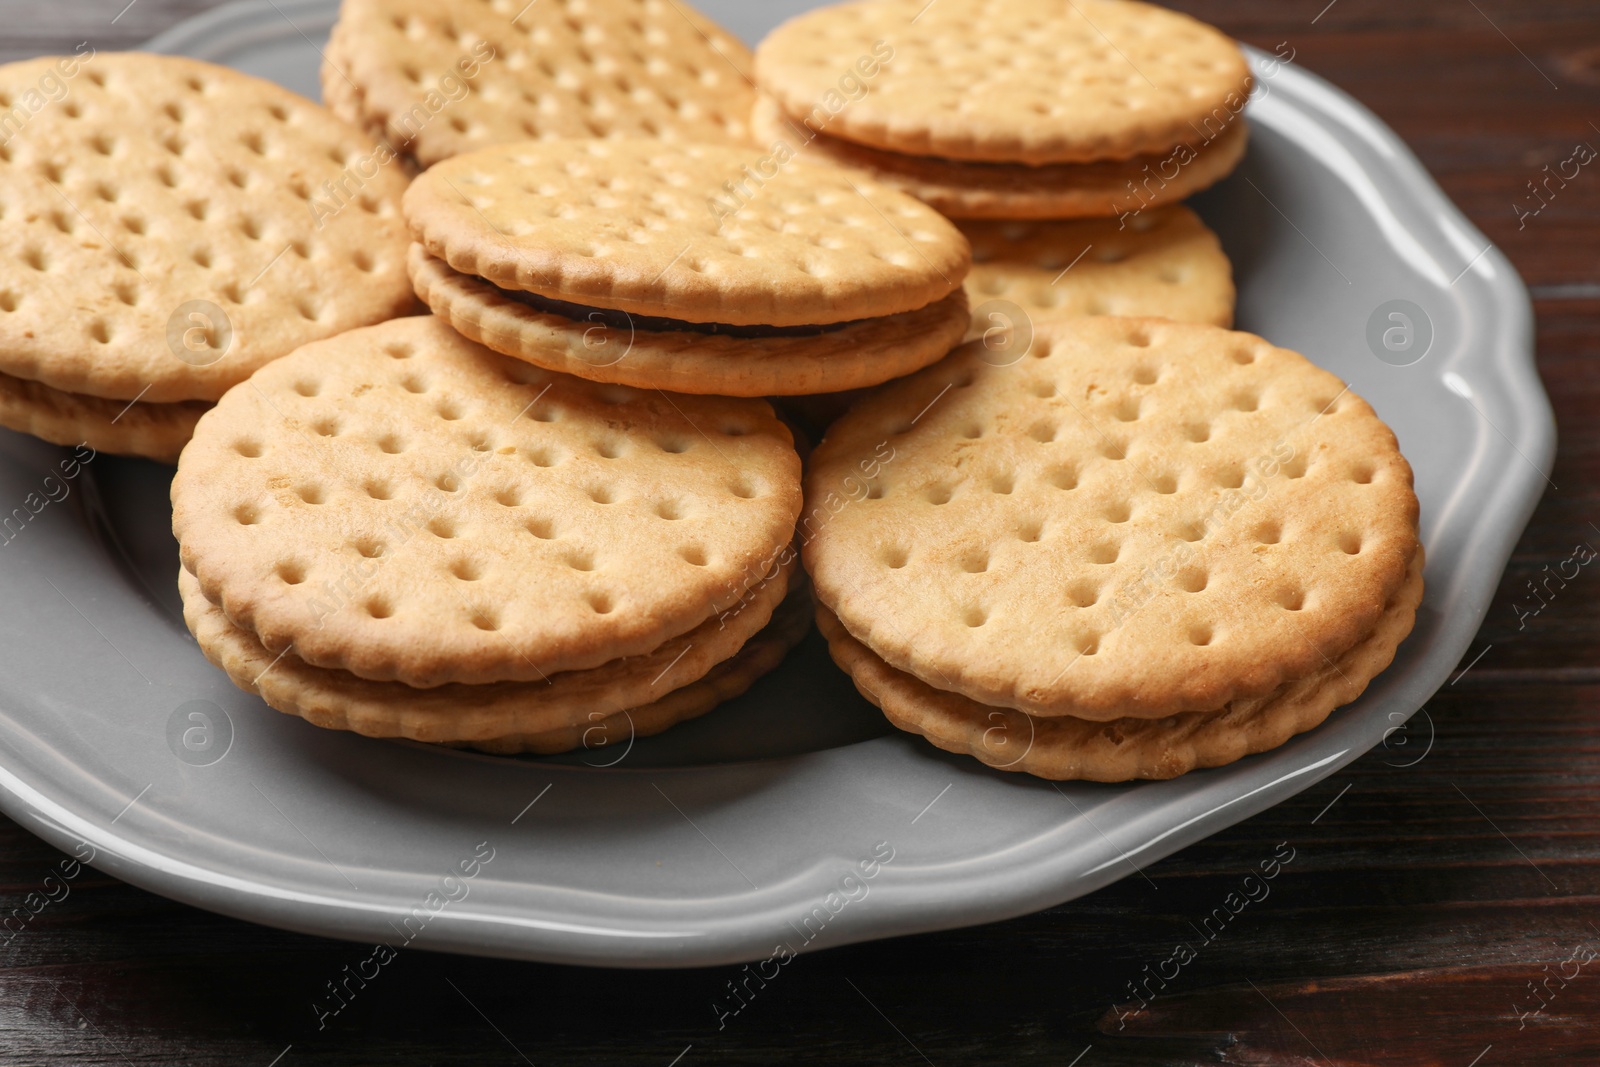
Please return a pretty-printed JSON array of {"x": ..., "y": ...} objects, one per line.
[{"x": 622, "y": 320}]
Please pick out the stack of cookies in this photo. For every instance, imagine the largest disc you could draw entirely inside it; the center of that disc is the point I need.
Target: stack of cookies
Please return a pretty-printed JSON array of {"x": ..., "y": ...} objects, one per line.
[
  {"x": 558, "y": 513},
  {"x": 1144, "y": 548},
  {"x": 629, "y": 261},
  {"x": 170, "y": 226},
  {"x": 401, "y": 533},
  {"x": 1024, "y": 110}
]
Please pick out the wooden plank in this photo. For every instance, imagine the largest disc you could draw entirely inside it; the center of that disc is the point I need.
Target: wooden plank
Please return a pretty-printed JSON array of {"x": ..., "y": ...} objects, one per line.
[{"x": 1423, "y": 896}]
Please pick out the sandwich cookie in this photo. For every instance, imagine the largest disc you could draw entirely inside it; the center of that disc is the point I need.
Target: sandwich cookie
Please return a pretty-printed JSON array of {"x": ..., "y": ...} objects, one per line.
[
  {"x": 1062, "y": 747},
  {"x": 606, "y": 706},
  {"x": 169, "y": 227},
  {"x": 1135, "y": 519},
  {"x": 967, "y": 106},
  {"x": 696, "y": 269},
  {"x": 400, "y": 533},
  {"x": 439, "y": 79}
]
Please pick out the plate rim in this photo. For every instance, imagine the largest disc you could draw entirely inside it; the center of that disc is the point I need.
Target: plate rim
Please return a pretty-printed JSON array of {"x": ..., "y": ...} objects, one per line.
[{"x": 921, "y": 905}]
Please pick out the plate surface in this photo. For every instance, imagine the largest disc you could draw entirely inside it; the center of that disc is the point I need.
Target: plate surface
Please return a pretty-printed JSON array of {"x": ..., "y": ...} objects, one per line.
[{"x": 792, "y": 817}]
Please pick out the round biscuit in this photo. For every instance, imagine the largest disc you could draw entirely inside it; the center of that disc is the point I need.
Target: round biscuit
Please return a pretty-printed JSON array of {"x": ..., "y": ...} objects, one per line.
[
  {"x": 1063, "y": 748},
  {"x": 1131, "y": 517},
  {"x": 405, "y": 504},
  {"x": 863, "y": 353},
  {"x": 652, "y": 229},
  {"x": 1005, "y": 81},
  {"x": 167, "y": 226},
  {"x": 1162, "y": 263},
  {"x": 444, "y": 79}
]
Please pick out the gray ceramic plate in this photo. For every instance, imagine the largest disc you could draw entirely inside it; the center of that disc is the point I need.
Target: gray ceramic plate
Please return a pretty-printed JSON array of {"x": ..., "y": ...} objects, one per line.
[{"x": 725, "y": 838}]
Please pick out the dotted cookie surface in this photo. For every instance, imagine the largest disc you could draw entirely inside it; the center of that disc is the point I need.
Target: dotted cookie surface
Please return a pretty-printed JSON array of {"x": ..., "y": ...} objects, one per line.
[
  {"x": 1132, "y": 518},
  {"x": 648, "y": 228},
  {"x": 339, "y": 700},
  {"x": 166, "y": 226},
  {"x": 1163, "y": 263},
  {"x": 404, "y": 504},
  {"x": 443, "y": 79},
  {"x": 1014, "y": 191},
  {"x": 1122, "y": 749},
  {"x": 1019, "y": 81},
  {"x": 863, "y": 353}
]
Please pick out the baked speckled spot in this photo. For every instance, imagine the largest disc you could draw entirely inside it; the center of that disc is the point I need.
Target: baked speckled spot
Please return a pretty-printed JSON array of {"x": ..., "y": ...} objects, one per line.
[
  {"x": 443, "y": 79},
  {"x": 1009, "y": 81},
  {"x": 1062, "y": 747},
  {"x": 1132, "y": 518},
  {"x": 651, "y": 229},
  {"x": 404, "y": 504},
  {"x": 1161, "y": 263},
  {"x": 154, "y": 181}
]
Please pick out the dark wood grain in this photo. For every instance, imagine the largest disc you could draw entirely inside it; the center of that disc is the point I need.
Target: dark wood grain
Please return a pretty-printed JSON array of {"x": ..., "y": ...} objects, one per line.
[{"x": 1424, "y": 916}]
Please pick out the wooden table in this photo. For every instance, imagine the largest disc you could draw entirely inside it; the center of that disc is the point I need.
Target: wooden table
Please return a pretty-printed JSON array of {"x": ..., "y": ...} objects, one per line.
[{"x": 1440, "y": 904}]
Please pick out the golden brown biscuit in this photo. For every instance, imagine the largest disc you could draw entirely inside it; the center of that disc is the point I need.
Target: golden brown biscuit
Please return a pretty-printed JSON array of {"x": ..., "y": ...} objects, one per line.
[
  {"x": 168, "y": 226},
  {"x": 1020, "y": 81},
  {"x": 1163, "y": 263},
  {"x": 441, "y": 79},
  {"x": 692, "y": 232},
  {"x": 404, "y": 504},
  {"x": 1132, "y": 517}
]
